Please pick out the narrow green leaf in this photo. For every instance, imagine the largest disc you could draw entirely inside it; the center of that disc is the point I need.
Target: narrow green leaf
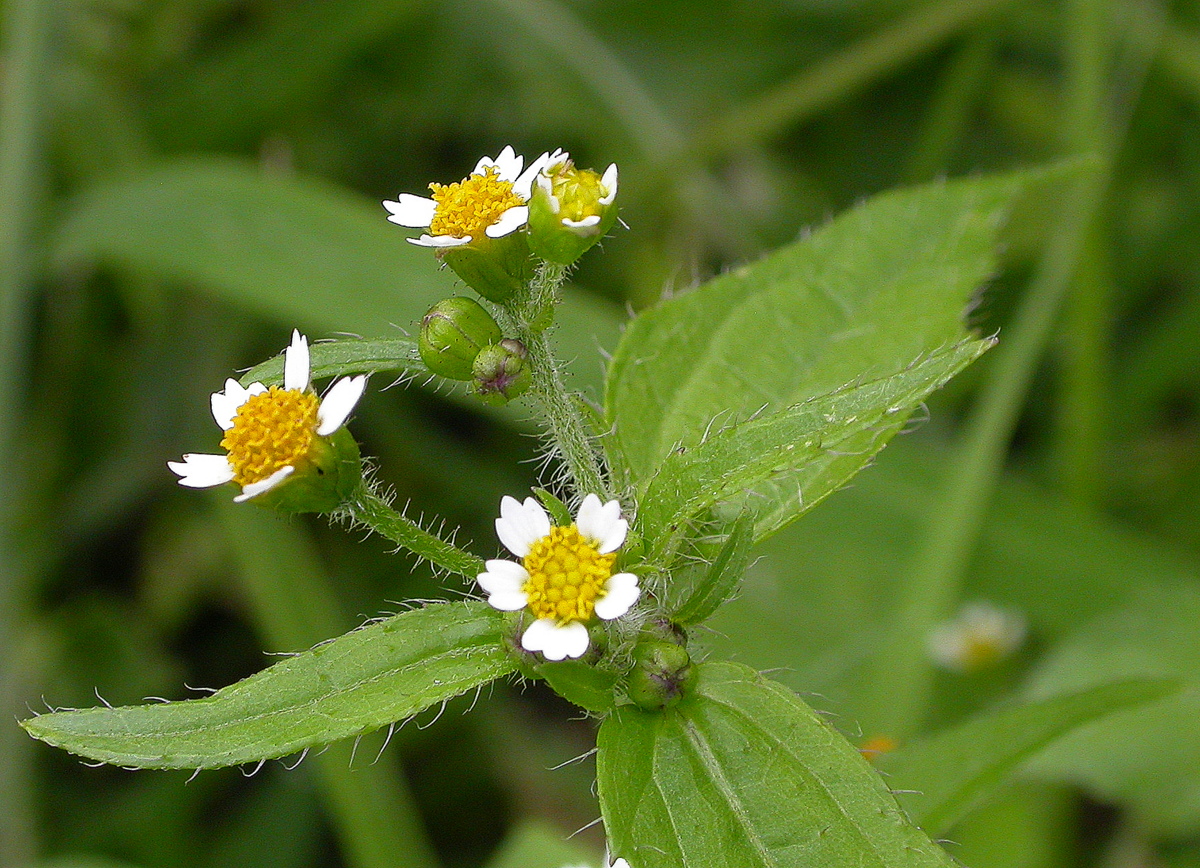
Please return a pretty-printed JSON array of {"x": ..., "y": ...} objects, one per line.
[
  {"x": 938, "y": 779},
  {"x": 558, "y": 510},
  {"x": 356, "y": 683},
  {"x": 779, "y": 466},
  {"x": 742, "y": 774},
  {"x": 581, "y": 683},
  {"x": 880, "y": 287},
  {"x": 343, "y": 358},
  {"x": 718, "y": 580}
]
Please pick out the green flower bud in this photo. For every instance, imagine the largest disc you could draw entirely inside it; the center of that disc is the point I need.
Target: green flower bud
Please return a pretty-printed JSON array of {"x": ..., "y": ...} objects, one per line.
[
  {"x": 496, "y": 268},
  {"x": 570, "y": 210},
  {"x": 453, "y": 333},
  {"x": 662, "y": 671},
  {"x": 323, "y": 481},
  {"x": 501, "y": 371}
]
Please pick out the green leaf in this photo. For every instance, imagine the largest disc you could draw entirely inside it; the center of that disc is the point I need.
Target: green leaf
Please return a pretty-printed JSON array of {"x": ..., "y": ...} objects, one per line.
[
  {"x": 343, "y": 358},
  {"x": 779, "y": 466},
  {"x": 581, "y": 683},
  {"x": 938, "y": 779},
  {"x": 865, "y": 297},
  {"x": 742, "y": 774},
  {"x": 356, "y": 683},
  {"x": 718, "y": 578},
  {"x": 534, "y": 845}
]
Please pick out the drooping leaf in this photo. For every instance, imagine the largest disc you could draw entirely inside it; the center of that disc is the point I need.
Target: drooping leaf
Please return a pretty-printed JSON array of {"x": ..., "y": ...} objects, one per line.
[
  {"x": 356, "y": 683},
  {"x": 939, "y": 778},
  {"x": 778, "y": 466},
  {"x": 742, "y": 774},
  {"x": 877, "y": 289},
  {"x": 343, "y": 358}
]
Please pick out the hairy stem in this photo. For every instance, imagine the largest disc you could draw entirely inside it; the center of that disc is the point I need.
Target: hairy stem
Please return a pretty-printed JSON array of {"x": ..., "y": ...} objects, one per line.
[{"x": 368, "y": 508}]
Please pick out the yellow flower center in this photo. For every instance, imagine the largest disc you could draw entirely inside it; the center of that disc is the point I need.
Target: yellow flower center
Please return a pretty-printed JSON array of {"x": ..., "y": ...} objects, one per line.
[
  {"x": 566, "y": 576},
  {"x": 471, "y": 205},
  {"x": 578, "y": 191},
  {"x": 271, "y": 430},
  {"x": 981, "y": 652}
]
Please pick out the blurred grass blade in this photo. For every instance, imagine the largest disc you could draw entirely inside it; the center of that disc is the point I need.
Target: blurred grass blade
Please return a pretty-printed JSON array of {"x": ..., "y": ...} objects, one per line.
[
  {"x": 938, "y": 779},
  {"x": 742, "y": 774},
  {"x": 294, "y": 606},
  {"x": 794, "y": 101},
  {"x": 353, "y": 684}
]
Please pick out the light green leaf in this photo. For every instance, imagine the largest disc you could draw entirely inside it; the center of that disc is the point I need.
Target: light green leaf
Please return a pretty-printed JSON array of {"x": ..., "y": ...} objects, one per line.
[
  {"x": 880, "y": 287},
  {"x": 343, "y": 358},
  {"x": 938, "y": 779},
  {"x": 581, "y": 683},
  {"x": 356, "y": 683},
  {"x": 779, "y": 466},
  {"x": 694, "y": 595},
  {"x": 535, "y": 845},
  {"x": 742, "y": 774}
]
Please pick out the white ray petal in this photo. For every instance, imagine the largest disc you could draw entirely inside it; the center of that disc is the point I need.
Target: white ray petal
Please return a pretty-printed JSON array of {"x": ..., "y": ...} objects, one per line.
[
  {"x": 199, "y": 470},
  {"x": 510, "y": 221},
  {"x": 226, "y": 404},
  {"x": 295, "y": 363},
  {"x": 602, "y": 524},
  {"x": 621, "y": 592},
  {"x": 555, "y": 641},
  {"x": 609, "y": 181},
  {"x": 254, "y": 489},
  {"x": 440, "y": 241},
  {"x": 520, "y": 525},
  {"x": 586, "y": 223},
  {"x": 410, "y": 210},
  {"x": 339, "y": 403},
  {"x": 507, "y": 164},
  {"x": 503, "y": 581}
]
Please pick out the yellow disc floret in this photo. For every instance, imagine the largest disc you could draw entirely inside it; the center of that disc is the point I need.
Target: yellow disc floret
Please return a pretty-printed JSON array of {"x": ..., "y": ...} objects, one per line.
[
  {"x": 578, "y": 191},
  {"x": 567, "y": 576},
  {"x": 471, "y": 205},
  {"x": 271, "y": 430}
]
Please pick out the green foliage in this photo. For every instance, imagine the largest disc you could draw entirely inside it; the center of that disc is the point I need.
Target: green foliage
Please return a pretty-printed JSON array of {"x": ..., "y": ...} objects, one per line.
[
  {"x": 742, "y": 773},
  {"x": 385, "y": 672}
]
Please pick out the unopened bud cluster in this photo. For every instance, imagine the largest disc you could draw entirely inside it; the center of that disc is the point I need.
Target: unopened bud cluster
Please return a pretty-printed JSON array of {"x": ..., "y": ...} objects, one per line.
[{"x": 460, "y": 340}]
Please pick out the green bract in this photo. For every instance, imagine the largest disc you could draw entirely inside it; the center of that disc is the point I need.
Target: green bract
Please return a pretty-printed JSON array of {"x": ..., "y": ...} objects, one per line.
[{"x": 452, "y": 334}]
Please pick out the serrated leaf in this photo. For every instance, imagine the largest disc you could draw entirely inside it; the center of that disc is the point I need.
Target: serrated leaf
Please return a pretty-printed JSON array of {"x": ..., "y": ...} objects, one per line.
[
  {"x": 718, "y": 579},
  {"x": 344, "y": 358},
  {"x": 938, "y": 779},
  {"x": 779, "y": 466},
  {"x": 356, "y": 683},
  {"x": 864, "y": 297},
  {"x": 742, "y": 774}
]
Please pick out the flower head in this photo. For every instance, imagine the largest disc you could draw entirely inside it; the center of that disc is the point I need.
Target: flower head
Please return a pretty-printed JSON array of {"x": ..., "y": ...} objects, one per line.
[
  {"x": 980, "y": 636},
  {"x": 490, "y": 202},
  {"x": 571, "y": 209},
  {"x": 271, "y": 433},
  {"x": 565, "y": 577}
]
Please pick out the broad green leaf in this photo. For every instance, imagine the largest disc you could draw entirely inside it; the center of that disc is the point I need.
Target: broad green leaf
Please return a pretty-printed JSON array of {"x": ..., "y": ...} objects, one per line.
[
  {"x": 879, "y": 288},
  {"x": 581, "y": 683},
  {"x": 296, "y": 250},
  {"x": 356, "y": 683},
  {"x": 938, "y": 779},
  {"x": 716, "y": 580},
  {"x": 1145, "y": 758},
  {"x": 742, "y": 774},
  {"x": 779, "y": 466},
  {"x": 343, "y": 358}
]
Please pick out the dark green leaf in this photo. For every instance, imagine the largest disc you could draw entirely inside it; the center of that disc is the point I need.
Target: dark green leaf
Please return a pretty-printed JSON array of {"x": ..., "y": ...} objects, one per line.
[{"x": 581, "y": 683}]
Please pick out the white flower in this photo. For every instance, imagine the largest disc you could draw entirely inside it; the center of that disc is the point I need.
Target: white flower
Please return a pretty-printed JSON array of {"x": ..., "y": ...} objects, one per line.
[
  {"x": 269, "y": 431},
  {"x": 980, "y": 636},
  {"x": 565, "y": 576},
  {"x": 490, "y": 201}
]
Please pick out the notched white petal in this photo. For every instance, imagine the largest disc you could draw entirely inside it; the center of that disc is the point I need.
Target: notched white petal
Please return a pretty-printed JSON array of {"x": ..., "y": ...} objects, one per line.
[
  {"x": 440, "y": 241},
  {"x": 520, "y": 525},
  {"x": 226, "y": 404},
  {"x": 339, "y": 402},
  {"x": 510, "y": 221},
  {"x": 507, "y": 164},
  {"x": 412, "y": 211},
  {"x": 602, "y": 524},
  {"x": 254, "y": 489},
  {"x": 295, "y": 363},
  {"x": 621, "y": 592},
  {"x": 586, "y": 223},
  {"x": 556, "y": 642},
  {"x": 200, "y": 470},
  {"x": 609, "y": 181}
]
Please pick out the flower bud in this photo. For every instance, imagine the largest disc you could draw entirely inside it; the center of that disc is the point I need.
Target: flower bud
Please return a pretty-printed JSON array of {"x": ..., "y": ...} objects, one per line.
[
  {"x": 496, "y": 268},
  {"x": 501, "y": 371},
  {"x": 661, "y": 672},
  {"x": 453, "y": 333},
  {"x": 570, "y": 210}
]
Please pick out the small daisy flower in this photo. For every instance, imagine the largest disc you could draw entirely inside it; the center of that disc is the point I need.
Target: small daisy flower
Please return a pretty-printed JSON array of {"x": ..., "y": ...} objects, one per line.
[
  {"x": 571, "y": 209},
  {"x": 272, "y": 432},
  {"x": 980, "y": 636},
  {"x": 490, "y": 202},
  {"x": 565, "y": 576}
]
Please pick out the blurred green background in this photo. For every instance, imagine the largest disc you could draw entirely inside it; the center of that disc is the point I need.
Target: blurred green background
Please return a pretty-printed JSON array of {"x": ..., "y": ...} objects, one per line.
[{"x": 183, "y": 181}]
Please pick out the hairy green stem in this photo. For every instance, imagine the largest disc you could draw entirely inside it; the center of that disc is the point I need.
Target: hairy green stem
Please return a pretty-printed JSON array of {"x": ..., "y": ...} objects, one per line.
[
  {"x": 564, "y": 422},
  {"x": 368, "y": 508},
  {"x": 901, "y": 680}
]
